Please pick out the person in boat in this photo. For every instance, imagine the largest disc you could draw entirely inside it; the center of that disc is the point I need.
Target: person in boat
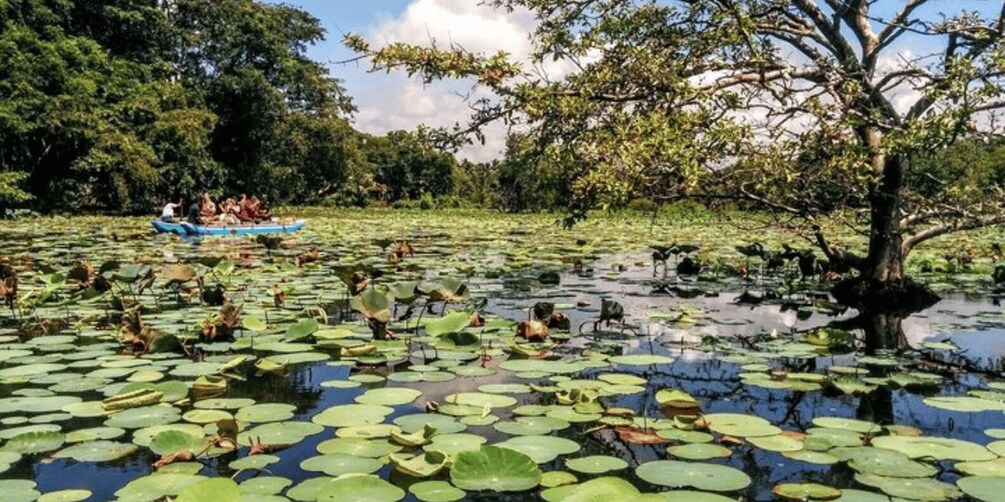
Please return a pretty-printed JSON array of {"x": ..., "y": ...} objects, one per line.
[
  {"x": 246, "y": 212},
  {"x": 207, "y": 214},
  {"x": 168, "y": 213},
  {"x": 264, "y": 213},
  {"x": 194, "y": 211},
  {"x": 229, "y": 212}
]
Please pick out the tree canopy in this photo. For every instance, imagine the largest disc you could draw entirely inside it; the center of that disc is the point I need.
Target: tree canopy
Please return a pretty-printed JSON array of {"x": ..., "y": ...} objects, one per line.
[
  {"x": 756, "y": 100},
  {"x": 113, "y": 104}
]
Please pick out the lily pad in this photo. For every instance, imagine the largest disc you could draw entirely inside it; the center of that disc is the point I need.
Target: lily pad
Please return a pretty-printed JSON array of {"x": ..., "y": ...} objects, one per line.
[
  {"x": 542, "y": 449},
  {"x": 709, "y": 477},
  {"x": 496, "y": 469},
  {"x": 436, "y": 491},
  {"x": 596, "y": 464}
]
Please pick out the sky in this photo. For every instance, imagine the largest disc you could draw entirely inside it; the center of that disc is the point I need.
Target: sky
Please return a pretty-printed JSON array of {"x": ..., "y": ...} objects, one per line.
[{"x": 392, "y": 101}]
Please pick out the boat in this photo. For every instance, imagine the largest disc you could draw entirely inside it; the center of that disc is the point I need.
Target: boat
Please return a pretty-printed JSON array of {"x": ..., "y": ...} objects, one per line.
[{"x": 186, "y": 229}]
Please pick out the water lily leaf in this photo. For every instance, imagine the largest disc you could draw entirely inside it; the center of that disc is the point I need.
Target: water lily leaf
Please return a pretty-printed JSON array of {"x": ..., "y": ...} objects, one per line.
[
  {"x": 19, "y": 490},
  {"x": 436, "y": 491},
  {"x": 710, "y": 477},
  {"x": 883, "y": 462},
  {"x": 66, "y": 496},
  {"x": 252, "y": 323},
  {"x": 97, "y": 451},
  {"x": 964, "y": 404},
  {"x": 390, "y": 396},
  {"x": 925, "y": 489},
  {"x": 985, "y": 488},
  {"x": 424, "y": 465},
  {"x": 30, "y": 443},
  {"x": 552, "y": 479},
  {"x": 373, "y": 305},
  {"x": 937, "y": 448},
  {"x": 806, "y": 491},
  {"x": 699, "y": 451},
  {"x": 418, "y": 422},
  {"x": 338, "y": 464},
  {"x": 596, "y": 464},
  {"x": 542, "y": 449},
  {"x": 359, "y": 488},
  {"x": 279, "y": 433},
  {"x": 301, "y": 330},
  {"x": 263, "y": 485},
  {"x": 640, "y": 359},
  {"x": 348, "y": 415},
  {"x": 176, "y": 441},
  {"x": 265, "y": 412},
  {"x": 779, "y": 443},
  {"x": 452, "y": 444},
  {"x": 157, "y": 486},
  {"x": 216, "y": 489},
  {"x": 989, "y": 468},
  {"x": 453, "y": 322},
  {"x": 732, "y": 424},
  {"x": 495, "y": 469},
  {"x": 848, "y": 424}
]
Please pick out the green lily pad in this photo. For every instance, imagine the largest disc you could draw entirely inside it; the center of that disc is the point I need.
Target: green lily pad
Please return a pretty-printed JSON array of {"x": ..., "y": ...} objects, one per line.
[
  {"x": 542, "y": 449},
  {"x": 265, "y": 412},
  {"x": 215, "y": 489},
  {"x": 19, "y": 490},
  {"x": 937, "y": 448},
  {"x": 452, "y": 444},
  {"x": 985, "y": 488},
  {"x": 338, "y": 464},
  {"x": 348, "y": 415},
  {"x": 596, "y": 464},
  {"x": 279, "y": 433},
  {"x": 176, "y": 441},
  {"x": 779, "y": 443},
  {"x": 436, "y": 491},
  {"x": 848, "y": 424},
  {"x": 30, "y": 443},
  {"x": 156, "y": 486},
  {"x": 925, "y": 489},
  {"x": 481, "y": 399},
  {"x": 359, "y": 488},
  {"x": 66, "y": 496},
  {"x": 494, "y": 468},
  {"x": 423, "y": 465},
  {"x": 97, "y": 451},
  {"x": 710, "y": 477},
  {"x": 699, "y": 451},
  {"x": 745, "y": 426},
  {"x": 370, "y": 448},
  {"x": 883, "y": 462},
  {"x": 806, "y": 491},
  {"x": 391, "y": 396},
  {"x": 640, "y": 360}
]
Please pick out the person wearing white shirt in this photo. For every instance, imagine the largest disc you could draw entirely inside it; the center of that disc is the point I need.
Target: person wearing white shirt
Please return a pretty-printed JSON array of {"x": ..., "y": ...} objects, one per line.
[{"x": 167, "y": 214}]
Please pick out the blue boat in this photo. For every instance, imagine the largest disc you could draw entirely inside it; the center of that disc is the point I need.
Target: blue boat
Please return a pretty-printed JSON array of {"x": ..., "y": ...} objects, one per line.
[{"x": 186, "y": 229}]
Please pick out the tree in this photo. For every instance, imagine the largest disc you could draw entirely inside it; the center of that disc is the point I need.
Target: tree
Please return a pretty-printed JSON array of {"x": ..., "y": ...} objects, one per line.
[
  {"x": 118, "y": 104},
  {"x": 407, "y": 168},
  {"x": 723, "y": 98}
]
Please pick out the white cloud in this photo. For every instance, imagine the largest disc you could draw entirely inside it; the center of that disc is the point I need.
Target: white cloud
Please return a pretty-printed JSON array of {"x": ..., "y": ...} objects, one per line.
[{"x": 393, "y": 101}]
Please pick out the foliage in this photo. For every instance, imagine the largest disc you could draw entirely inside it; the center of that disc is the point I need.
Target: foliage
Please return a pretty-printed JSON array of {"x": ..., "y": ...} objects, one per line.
[{"x": 788, "y": 105}]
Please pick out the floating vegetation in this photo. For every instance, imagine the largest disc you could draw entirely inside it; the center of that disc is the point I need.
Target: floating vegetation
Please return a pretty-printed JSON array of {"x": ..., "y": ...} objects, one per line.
[{"x": 471, "y": 359}]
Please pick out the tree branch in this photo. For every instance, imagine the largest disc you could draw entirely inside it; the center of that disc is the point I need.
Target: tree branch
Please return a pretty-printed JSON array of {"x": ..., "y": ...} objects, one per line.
[{"x": 948, "y": 228}]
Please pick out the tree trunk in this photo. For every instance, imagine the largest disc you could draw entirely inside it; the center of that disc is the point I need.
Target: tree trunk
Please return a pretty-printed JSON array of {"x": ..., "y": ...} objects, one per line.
[
  {"x": 885, "y": 263},
  {"x": 882, "y": 286}
]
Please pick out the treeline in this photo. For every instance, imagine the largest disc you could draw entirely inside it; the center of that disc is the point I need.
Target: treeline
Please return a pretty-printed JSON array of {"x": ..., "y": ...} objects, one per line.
[{"x": 118, "y": 105}]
